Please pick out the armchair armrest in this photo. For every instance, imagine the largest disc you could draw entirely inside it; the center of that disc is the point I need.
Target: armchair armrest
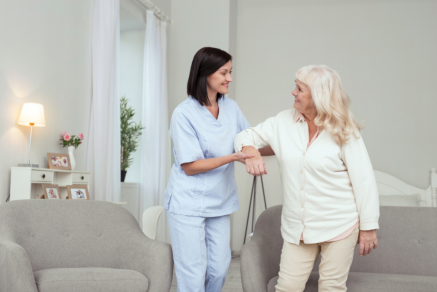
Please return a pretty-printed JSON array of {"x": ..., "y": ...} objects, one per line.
[
  {"x": 16, "y": 274},
  {"x": 258, "y": 265},
  {"x": 261, "y": 256},
  {"x": 152, "y": 258}
]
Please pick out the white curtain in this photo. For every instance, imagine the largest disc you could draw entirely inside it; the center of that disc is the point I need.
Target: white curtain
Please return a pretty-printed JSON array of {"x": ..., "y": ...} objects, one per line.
[
  {"x": 154, "y": 117},
  {"x": 103, "y": 157}
]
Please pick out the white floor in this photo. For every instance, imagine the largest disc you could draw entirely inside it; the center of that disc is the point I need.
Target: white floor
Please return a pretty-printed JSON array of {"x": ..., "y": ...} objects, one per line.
[{"x": 233, "y": 281}]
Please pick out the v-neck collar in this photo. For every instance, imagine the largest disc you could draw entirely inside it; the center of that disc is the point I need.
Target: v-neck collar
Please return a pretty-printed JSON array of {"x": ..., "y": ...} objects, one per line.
[
  {"x": 207, "y": 115},
  {"x": 299, "y": 118},
  {"x": 320, "y": 132}
]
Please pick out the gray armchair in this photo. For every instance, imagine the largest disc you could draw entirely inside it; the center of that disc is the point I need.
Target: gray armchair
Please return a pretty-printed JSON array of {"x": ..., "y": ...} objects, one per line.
[
  {"x": 405, "y": 259},
  {"x": 75, "y": 245}
]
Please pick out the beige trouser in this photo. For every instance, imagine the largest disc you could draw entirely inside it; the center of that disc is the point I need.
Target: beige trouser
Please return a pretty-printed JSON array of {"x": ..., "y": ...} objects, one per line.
[{"x": 297, "y": 262}]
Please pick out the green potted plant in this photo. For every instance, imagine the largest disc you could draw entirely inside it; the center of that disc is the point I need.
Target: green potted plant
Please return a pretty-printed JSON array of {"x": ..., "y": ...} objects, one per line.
[{"x": 130, "y": 135}]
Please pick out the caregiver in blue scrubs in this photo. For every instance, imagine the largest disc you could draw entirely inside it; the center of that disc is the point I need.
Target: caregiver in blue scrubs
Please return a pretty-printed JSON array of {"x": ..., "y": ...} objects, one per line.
[{"x": 202, "y": 193}]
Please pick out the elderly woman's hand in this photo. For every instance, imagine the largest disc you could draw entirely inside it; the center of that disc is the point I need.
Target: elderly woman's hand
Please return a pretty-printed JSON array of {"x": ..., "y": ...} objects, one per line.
[
  {"x": 255, "y": 165},
  {"x": 367, "y": 241}
]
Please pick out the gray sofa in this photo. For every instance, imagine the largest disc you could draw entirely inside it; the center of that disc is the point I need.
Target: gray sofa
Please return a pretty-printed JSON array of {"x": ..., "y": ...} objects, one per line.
[
  {"x": 78, "y": 245},
  {"x": 404, "y": 261}
]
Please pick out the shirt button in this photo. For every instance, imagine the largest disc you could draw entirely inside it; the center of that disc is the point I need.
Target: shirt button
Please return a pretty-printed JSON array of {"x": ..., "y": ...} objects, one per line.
[
  {"x": 301, "y": 188},
  {"x": 301, "y": 205},
  {"x": 304, "y": 153},
  {"x": 301, "y": 171}
]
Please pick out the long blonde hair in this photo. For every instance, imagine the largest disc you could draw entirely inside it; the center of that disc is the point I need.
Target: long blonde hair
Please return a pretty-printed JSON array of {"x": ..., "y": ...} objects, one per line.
[{"x": 332, "y": 102}]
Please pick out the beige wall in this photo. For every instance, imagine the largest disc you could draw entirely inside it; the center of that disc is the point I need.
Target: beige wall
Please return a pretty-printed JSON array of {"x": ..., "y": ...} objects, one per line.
[
  {"x": 383, "y": 50},
  {"x": 45, "y": 57}
]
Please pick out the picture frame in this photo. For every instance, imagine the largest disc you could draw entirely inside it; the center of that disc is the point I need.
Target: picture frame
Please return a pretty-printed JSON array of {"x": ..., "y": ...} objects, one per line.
[
  {"x": 78, "y": 192},
  {"x": 59, "y": 161},
  {"x": 50, "y": 192}
]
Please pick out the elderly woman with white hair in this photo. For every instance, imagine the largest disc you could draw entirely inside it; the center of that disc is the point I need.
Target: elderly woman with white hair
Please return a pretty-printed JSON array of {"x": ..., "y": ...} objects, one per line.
[{"x": 330, "y": 193}]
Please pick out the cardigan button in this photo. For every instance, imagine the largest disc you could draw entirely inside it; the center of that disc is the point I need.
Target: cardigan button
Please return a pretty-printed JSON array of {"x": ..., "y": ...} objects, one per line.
[{"x": 421, "y": 241}]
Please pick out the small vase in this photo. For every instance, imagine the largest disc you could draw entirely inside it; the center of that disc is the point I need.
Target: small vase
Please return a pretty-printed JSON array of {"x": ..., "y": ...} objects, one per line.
[{"x": 72, "y": 160}]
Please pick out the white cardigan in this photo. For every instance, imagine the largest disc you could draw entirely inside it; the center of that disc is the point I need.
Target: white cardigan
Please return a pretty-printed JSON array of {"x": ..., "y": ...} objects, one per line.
[{"x": 327, "y": 187}]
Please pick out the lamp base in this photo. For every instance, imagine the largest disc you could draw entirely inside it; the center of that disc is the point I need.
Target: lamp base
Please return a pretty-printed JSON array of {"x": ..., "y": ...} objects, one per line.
[{"x": 28, "y": 165}]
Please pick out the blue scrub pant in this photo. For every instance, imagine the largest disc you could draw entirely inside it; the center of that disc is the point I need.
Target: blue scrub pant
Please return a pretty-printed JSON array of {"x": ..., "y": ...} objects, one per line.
[{"x": 201, "y": 251}]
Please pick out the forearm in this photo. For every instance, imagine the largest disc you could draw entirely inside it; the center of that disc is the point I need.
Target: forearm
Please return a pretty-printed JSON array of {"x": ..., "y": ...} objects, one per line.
[
  {"x": 267, "y": 151},
  {"x": 251, "y": 150},
  {"x": 204, "y": 165},
  {"x": 250, "y": 137},
  {"x": 362, "y": 178}
]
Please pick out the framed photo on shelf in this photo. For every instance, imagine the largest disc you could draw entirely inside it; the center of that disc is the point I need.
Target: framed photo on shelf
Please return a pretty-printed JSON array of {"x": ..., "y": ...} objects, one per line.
[
  {"x": 50, "y": 192},
  {"x": 78, "y": 192},
  {"x": 59, "y": 161}
]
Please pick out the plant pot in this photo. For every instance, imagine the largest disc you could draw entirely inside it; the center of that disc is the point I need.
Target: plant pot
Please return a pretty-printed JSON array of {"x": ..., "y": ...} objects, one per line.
[{"x": 123, "y": 175}]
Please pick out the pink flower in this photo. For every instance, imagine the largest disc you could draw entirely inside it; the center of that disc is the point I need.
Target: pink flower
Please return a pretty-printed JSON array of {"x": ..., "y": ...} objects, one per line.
[
  {"x": 63, "y": 134},
  {"x": 67, "y": 137},
  {"x": 80, "y": 136}
]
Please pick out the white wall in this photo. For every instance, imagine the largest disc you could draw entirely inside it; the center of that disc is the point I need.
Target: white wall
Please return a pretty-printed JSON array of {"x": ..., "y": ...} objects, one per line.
[
  {"x": 385, "y": 52},
  {"x": 196, "y": 24},
  {"x": 45, "y": 57}
]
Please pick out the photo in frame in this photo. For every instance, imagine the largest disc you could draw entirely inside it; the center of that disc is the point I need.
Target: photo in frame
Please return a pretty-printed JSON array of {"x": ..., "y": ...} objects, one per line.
[
  {"x": 59, "y": 161},
  {"x": 50, "y": 192},
  {"x": 78, "y": 192}
]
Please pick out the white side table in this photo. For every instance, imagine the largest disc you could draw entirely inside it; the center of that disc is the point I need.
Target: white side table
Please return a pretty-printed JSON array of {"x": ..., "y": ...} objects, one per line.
[{"x": 26, "y": 182}]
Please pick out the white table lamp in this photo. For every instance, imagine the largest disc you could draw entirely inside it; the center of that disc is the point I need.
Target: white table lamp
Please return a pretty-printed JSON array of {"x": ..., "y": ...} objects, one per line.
[{"x": 31, "y": 115}]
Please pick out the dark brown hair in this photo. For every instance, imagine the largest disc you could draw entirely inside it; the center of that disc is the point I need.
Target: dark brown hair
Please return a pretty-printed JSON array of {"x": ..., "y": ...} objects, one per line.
[{"x": 206, "y": 62}]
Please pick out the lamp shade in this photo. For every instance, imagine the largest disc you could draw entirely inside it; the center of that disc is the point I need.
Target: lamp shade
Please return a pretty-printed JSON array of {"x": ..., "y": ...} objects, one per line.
[{"x": 32, "y": 113}]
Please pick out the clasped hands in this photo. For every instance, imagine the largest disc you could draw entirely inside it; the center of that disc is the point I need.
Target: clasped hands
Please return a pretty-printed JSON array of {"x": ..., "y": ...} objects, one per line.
[{"x": 254, "y": 163}]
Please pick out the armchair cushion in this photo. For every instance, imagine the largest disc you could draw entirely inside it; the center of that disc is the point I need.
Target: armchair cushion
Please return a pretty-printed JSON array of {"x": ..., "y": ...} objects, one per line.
[
  {"x": 90, "y": 280},
  {"x": 375, "y": 282}
]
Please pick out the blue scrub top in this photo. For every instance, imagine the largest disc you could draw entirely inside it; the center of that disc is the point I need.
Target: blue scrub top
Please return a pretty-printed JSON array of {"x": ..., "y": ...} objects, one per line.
[{"x": 196, "y": 134}]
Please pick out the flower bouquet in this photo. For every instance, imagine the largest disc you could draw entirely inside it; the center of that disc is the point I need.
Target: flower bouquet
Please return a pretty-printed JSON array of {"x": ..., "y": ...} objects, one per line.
[{"x": 68, "y": 140}]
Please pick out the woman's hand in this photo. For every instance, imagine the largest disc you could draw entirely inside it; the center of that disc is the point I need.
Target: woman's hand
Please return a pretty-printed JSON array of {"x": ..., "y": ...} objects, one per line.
[
  {"x": 241, "y": 157},
  {"x": 367, "y": 241},
  {"x": 255, "y": 165}
]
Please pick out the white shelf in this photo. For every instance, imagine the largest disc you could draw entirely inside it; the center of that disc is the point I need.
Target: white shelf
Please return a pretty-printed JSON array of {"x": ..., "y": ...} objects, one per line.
[{"x": 26, "y": 182}]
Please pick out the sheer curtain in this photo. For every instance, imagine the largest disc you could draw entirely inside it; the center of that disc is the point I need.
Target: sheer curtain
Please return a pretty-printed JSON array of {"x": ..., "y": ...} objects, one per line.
[
  {"x": 154, "y": 116},
  {"x": 103, "y": 157}
]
